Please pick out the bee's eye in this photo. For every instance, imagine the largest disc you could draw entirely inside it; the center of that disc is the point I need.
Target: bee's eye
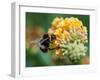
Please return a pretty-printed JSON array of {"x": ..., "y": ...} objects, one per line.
[{"x": 53, "y": 37}]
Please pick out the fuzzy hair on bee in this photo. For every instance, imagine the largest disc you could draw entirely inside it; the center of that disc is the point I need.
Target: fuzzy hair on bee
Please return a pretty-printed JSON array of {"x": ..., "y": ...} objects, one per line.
[{"x": 44, "y": 43}]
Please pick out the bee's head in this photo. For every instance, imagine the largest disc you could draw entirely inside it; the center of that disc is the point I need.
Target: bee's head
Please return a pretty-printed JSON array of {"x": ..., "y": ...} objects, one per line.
[{"x": 53, "y": 37}]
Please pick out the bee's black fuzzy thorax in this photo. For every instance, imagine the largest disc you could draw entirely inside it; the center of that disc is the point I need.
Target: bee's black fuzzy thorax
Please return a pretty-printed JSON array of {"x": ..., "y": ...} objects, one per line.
[{"x": 45, "y": 42}]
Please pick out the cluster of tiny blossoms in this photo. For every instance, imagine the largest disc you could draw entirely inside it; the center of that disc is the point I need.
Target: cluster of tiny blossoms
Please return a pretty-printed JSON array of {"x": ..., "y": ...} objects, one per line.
[{"x": 71, "y": 37}]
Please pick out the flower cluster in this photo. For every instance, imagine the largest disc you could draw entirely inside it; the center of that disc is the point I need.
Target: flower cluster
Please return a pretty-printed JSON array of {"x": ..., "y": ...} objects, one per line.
[{"x": 71, "y": 37}]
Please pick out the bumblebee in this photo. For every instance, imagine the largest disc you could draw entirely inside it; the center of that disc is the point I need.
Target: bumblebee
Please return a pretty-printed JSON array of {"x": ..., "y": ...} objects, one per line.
[{"x": 46, "y": 41}]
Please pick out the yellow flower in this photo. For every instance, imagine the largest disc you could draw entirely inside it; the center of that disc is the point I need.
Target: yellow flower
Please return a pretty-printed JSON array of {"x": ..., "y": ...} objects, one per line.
[
  {"x": 63, "y": 37},
  {"x": 62, "y": 28},
  {"x": 58, "y": 31},
  {"x": 56, "y": 21},
  {"x": 85, "y": 29},
  {"x": 54, "y": 44},
  {"x": 72, "y": 22}
]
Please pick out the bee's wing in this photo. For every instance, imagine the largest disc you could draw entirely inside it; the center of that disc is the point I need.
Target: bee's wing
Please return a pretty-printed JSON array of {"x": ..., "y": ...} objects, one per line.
[{"x": 35, "y": 41}]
